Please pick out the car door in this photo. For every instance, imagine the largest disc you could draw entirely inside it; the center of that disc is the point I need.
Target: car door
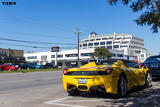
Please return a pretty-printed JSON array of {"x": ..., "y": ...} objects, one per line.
[
  {"x": 139, "y": 73},
  {"x": 134, "y": 73}
]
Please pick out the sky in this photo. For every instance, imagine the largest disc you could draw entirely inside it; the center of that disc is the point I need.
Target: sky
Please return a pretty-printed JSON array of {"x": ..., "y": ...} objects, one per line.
[{"x": 55, "y": 22}]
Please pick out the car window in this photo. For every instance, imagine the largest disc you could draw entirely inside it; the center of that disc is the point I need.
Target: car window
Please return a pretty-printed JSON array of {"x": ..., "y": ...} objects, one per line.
[{"x": 131, "y": 64}]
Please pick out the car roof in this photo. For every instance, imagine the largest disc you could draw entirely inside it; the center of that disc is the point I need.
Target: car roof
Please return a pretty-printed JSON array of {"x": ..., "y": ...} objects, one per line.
[{"x": 154, "y": 56}]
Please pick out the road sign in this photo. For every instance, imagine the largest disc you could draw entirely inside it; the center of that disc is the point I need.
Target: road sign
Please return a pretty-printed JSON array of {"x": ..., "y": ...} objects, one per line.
[{"x": 55, "y": 49}]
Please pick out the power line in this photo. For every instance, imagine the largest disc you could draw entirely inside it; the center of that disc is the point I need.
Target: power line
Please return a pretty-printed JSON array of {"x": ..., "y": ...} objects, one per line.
[
  {"x": 33, "y": 34},
  {"x": 35, "y": 46},
  {"x": 15, "y": 40},
  {"x": 25, "y": 46},
  {"x": 49, "y": 25}
]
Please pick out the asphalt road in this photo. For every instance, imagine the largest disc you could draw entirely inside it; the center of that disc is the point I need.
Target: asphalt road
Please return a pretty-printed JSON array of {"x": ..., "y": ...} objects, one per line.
[{"x": 45, "y": 89}]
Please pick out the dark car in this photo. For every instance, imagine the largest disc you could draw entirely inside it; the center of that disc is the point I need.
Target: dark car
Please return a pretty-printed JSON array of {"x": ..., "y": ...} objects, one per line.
[
  {"x": 48, "y": 65},
  {"x": 153, "y": 63},
  {"x": 26, "y": 66}
]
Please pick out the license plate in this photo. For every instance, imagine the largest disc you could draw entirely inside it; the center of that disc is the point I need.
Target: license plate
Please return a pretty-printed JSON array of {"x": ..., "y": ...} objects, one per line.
[{"x": 82, "y": 81}]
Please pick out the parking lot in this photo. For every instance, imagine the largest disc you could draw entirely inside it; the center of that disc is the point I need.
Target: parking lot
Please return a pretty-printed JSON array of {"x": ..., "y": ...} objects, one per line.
[{"x": 45, "y": 89}]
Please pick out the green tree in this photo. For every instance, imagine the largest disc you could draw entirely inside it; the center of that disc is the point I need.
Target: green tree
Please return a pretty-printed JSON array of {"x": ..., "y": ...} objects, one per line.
[
  {"x": 150, "y": 9},
  {"x": 101, "y": 53}
]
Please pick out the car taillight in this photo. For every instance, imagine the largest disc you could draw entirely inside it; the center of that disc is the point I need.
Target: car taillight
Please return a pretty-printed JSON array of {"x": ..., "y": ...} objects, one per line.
[
  {"x": 109, "y": 70},
  {"x": 65, "y": 71},
  {"x": 102, "y": 86},
  {"x": 68, "y": 85}
]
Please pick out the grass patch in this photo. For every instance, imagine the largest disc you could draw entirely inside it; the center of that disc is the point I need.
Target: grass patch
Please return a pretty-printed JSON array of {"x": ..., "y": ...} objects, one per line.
[{"x": 31, "y": 70}]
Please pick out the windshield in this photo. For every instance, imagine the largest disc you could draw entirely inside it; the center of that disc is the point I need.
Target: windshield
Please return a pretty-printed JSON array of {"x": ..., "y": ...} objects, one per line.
[{"x": 104, "y": 62}]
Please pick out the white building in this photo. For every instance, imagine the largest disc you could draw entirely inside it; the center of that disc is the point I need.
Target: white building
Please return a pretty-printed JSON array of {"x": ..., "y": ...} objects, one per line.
[
  {"x": 121, "y": 45},
  {"x": 131, "y": 45},
  {"x": 69, "y": 56}
]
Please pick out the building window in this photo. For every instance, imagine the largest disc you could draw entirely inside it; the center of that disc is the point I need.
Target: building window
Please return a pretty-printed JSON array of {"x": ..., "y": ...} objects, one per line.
[
  {"x": 86, "y": 54},
  {"x": 109, "y": 47},
  {"x": 85, "y": 44},
  {"x": 90, "y": 44},
  {"x": 44, "y": 58},
  {"x": 86, "y": 40},
  {"x": 92, "y": 39},
  {"x": 125, "y": 42},
  {"x": 71, "y": 55},
  {"x": 2, "y": 53},
  {"x": 80, "y": 45},
  {"x": 110, "y": 37},
  {"x": 116, "y": 46},
  {"x": 119, "y": 55},
  {"x": 32, "y": 57},
  {"x": 127, "y": 38},
  {"x": 118, "y": 38},
  {"x": 117, "y": 42},
  {"x": 60, "y": 56},
  {"x": 109, "y": 42},
  {"x": 142, "y": 55},
  {"x": 104, "y": 38},
  {"x": 114, "y": 55},
  {"x": 102, "y": 43},
  {"x": 96, "y": 43},
  {"x": 98, "y": 39},
  {"x": 124, "y": 46},
  {"x": 52, "y": 56}
]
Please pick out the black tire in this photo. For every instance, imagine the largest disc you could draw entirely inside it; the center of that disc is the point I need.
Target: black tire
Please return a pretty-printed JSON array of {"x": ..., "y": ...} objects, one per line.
[
  {"x": 73, "y": 92},
  {"x": 148, "y": 80},
  {"x": 122, "y": 86}
]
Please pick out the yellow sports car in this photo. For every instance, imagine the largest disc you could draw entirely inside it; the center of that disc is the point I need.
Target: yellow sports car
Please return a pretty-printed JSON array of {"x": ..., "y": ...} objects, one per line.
[{"x": 110, "y": 76}]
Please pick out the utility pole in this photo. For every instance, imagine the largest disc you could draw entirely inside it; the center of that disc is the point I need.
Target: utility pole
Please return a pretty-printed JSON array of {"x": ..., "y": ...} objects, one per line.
[{"x": 78, "y": 33}]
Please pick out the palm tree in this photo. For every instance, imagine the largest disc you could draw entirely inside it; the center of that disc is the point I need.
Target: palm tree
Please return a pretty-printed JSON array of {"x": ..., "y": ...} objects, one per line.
[{"x": 101, "y": 53}]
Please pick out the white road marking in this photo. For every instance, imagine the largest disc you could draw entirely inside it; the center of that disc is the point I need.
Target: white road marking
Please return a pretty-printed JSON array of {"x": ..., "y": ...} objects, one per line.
[
  {"x": 61, "y": 102},
  {"x": 83, "y": 101},
  {"x": 58, "y": 102},
  {"x": 64, "y": 104}
]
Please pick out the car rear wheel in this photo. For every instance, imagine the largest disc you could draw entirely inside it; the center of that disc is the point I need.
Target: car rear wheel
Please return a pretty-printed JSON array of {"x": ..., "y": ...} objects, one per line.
[
  {"x": 73, "y": 92},
  {"x": 122, "y": 86},
  {"x": 148, "y": 80}
]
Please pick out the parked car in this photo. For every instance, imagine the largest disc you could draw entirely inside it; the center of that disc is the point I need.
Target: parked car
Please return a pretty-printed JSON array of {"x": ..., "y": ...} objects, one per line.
[
  {"x": 48, "y": 65},
  {"x": 153, "y": 63},
  {"x": 111, "y": 76},
  {"x": 35, "y": 65},
  {"x": 25, "y": 66},
  {"x": 8, "y": 67}
]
